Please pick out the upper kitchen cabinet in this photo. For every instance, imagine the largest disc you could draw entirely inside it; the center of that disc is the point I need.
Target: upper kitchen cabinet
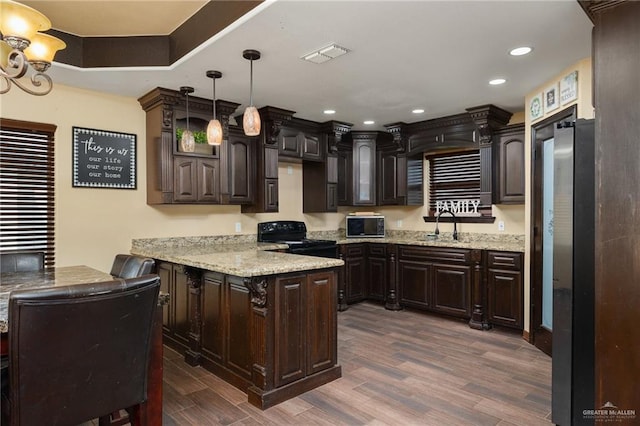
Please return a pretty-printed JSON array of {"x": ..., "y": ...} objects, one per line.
[
  {"x": 241, "y": 167},
  {"x": 374, "y": 170},
  {"x": 509, "y": 165},
  {"x": 361, "y": 170},
  {"x": 273, "y": 135},
  {"x": 321, "y": 181},
  {"x": 455, "y": 132},
  {"x": 301, "y": 140},
  {"x": 185, "y": 177}
]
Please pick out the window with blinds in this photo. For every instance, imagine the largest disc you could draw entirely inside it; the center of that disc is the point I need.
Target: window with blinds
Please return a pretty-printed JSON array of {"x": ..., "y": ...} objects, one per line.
[
  {"x": 454, "y": 177},
  {"x": 27, "y": 204}
]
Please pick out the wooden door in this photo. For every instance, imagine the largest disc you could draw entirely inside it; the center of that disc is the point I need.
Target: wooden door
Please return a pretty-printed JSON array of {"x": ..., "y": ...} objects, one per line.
[
  {"x": 185, "y": 186},
  {"x": 321, "y": 322},
  {"x": 208, "y": 180},
  {"x": 241, "y": 169},
  {"x": 452, "y": 289},
  {"x": 291, "y": 328}
]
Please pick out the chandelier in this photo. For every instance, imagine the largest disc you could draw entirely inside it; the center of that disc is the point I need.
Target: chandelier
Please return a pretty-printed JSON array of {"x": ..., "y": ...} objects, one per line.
[{"x": 22, "y": 44}]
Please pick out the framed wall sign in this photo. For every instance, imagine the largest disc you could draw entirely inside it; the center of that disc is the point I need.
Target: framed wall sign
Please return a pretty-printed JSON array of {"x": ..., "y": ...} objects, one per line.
[
  {"x": 536, "y": 107},
  {"x": 104, "y": 159},
  {"x": 569, "y": 88},
  {"x": 551, "y": 100}
]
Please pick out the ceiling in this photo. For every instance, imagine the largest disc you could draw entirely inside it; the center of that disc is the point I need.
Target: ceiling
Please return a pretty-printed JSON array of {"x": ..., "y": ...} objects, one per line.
[{"x": 434, "y": 55}]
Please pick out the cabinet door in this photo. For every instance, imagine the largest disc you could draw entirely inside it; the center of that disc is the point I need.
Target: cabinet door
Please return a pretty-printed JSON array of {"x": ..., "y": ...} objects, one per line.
[
  {"x": 387, "y": 178},
  {"x": 345, "y": 178},
  {"x": 355, "y": 273},
  {"x": 505, "y": 297},
  {"x": 289, "y": 144},
  {"x": 509, "y": 168},
  {"x": 237, "y": 345},
  {"x": 452, "y": 289},
  {"x": 180, "y": 293},
  {"x": 165, "y": 272},
  {"x": 377, "y": 278},
  {"x": 212, "y": 300},
  {"x": 414, "y": 279},
  {"x": 209, "y": 180},
  {"x": 332, "y": 169},
  {"x": 241, "y": 169},
  {"x": 291, "y": 328},
  {"x": 271, "y": 195},
  {"x": 311, "y": 146},
  {"x": 332, "y": 197},
  {"x": 185, "y": 186},
  {"x": 364, "y": 164},
  {"x": 321, "y": 322}
]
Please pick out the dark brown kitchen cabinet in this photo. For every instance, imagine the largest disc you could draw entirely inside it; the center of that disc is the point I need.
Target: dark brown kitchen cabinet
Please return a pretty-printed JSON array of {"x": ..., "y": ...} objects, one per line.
[
  {"x": 305, "y": 315},
  {"x": 176, "y": 325},
  {"x": 180, "y": 177},
  {"x": 452, "y": 289},
  {"x": 505, "y": 289},
  {"x": 392, "y": 178},
  {"x": 345, "y": 177},
  {"x": 414, "y": 279},
  {"x": 297, "y": 144},
  {"x": 320, "y": 185},
  {"x": 378, "y": 271},
  {"x": 196, "y": 179},
  {"x": 364, "y": 170},
  {"x": 436, "y": 279},
  {"x": 242, "y": 167},
  {"x": 509, "y": 165},
  {"x": 355, "y": 272},
  {"x": 213, "y": 310}
]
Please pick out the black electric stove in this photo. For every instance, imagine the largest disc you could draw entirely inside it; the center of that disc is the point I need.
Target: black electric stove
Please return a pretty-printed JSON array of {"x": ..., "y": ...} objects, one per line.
[{"x": 294, "y": 234}]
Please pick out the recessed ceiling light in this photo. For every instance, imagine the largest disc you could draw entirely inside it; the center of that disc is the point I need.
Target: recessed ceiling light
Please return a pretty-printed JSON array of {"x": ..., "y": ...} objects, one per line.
[
  {"x": 519, "y": 51},
  {"x": 369, "y": 122},
  {"x": 497, "y": 81},
  {"x": 329, "y": 111},
  {"x": 418, "y": 111}
]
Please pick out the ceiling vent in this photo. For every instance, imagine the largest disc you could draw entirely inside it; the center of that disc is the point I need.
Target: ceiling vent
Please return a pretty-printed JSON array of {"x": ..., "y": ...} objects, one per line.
[{"x": 324, "y": 54}]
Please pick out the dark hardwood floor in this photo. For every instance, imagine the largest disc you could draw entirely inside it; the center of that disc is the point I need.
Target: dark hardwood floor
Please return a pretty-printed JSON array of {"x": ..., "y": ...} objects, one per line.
[{"x": 399, "y": 368}]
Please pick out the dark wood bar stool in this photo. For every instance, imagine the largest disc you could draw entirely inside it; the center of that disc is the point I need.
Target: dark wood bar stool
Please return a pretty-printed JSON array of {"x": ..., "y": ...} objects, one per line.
[{"x": 88, "y": 355}]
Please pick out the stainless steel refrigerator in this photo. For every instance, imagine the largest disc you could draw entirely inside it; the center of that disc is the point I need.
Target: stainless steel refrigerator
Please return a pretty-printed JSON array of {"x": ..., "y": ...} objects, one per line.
[{"x": 574, "y": 207}]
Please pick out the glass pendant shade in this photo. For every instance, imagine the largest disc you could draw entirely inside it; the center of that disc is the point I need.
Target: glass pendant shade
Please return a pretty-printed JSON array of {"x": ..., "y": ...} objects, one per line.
[
  {"x": 20, "y": 21},
  {"x": 187, "y": 141},
  {"x": 251, "y": 121},
  {"x": 43, "y": 48},
  {"x": 214, "y": 132}
]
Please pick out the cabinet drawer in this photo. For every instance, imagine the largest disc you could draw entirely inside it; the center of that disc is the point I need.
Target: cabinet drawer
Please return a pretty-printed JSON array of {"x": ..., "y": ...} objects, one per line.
[
  {"x": 353, "y": 250},
  {"x": 379, "y": 250},
  {"x": 504, "y": 260},
  {"x": 449, "y": 255}
]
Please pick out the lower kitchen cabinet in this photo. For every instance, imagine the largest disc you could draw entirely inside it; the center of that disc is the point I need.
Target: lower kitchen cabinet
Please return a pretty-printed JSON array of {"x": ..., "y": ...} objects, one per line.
[
  {"x": 413, "y": 281},
  {"x": 303, "y": 342},
  {"x": 355, "y": 272},
  {"x": 175, "y": 321},
  {"x": 378, "y": 271},
  {"x": 505, "y": 289},
  {"x": 273, "y": 337},
  {"x": 452, "y": 289}
]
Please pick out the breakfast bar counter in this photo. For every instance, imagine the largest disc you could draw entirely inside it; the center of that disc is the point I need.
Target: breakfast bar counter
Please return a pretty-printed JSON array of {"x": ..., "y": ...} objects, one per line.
[{"x": 262, "y": 320}]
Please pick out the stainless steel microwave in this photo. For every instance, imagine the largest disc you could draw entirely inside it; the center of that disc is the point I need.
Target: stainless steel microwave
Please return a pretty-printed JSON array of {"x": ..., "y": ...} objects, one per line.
[{"x": 365, "y": 226}]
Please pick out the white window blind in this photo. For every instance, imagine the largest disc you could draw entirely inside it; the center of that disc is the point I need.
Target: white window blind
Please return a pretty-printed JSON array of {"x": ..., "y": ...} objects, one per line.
[
  {"x": 27, "y": 203},
  {"x": 454, "y": 177}
]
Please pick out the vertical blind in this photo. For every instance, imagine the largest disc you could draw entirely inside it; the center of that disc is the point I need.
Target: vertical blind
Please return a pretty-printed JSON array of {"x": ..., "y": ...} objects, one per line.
[
  {"x": 27, "y": 202},
  {"x": 454, "y": 177}
]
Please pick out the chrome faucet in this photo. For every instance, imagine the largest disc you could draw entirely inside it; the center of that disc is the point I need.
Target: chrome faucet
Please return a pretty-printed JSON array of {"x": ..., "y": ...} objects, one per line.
[{"x": 455, "y": 228}]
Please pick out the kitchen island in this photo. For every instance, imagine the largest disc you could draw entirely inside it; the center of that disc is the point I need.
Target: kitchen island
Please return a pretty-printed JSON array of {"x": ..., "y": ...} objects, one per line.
[{"x": 264, "y": 321}]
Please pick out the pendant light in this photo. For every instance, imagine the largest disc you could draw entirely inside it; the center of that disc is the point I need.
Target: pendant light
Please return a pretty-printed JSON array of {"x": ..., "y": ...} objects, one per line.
[
  {"x": 251, "y": 118},
  {"x": 187, "y": 142},
  {"x": 214, "y": 129}
]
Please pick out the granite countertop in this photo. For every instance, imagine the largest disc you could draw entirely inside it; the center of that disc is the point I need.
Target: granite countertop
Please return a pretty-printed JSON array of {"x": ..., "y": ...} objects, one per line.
[
  {"x": 243, "y": 259},
  {"x": 441, "y": 242}
]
